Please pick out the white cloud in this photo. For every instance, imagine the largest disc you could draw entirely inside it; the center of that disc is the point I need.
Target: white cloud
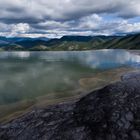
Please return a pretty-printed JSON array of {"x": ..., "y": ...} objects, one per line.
[
  {"x": 20, "y": 28},
  {"x": 64, "y": 17},
  {"x": 129, "y": 27},
  {"x": 90, "y": 22},
  {"x": 53, "y": 24},
  {"x": 14, "y": 29}
]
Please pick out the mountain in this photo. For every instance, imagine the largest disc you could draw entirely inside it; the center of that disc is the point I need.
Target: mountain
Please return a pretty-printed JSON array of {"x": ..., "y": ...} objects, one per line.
[
  {"x": 3, "y": 42},
  {"x": 27, "y": 44},
  {"x": 70, "y": 43},
  {"x": 76, "y": 38},
  {"x": 99, "y": 42},
  {"x": 22, "y": 41}
]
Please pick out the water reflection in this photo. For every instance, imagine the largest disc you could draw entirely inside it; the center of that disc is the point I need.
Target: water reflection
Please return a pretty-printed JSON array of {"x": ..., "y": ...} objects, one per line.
[
  {"x": 95, "y": 59},
  {"x": 30, "y": 74},
  {"x": 4, "y": 55}
]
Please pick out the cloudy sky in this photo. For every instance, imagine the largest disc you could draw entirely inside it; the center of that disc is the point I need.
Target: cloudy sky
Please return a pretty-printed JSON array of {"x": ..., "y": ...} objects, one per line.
[{"x": 55, "y": 18}]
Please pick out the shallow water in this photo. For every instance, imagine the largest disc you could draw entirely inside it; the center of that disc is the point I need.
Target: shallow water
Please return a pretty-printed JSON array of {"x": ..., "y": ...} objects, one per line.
[{"x": 27, "y": 75}]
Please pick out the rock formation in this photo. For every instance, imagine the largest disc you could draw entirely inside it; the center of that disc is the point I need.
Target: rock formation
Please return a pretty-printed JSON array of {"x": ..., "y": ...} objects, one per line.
[{"x": 110, "y": 113}]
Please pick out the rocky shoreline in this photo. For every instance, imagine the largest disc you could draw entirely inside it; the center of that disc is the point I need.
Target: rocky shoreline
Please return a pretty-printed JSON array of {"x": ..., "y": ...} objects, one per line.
[{"x": 110, "y": 113}]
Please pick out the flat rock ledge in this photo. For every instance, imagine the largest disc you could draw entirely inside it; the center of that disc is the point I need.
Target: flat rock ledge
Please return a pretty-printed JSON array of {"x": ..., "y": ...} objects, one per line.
[{"x": 110, "y": 113}]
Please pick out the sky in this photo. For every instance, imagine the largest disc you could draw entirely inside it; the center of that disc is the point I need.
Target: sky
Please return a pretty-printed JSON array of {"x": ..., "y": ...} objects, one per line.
[{"x": 56, "y": 18}]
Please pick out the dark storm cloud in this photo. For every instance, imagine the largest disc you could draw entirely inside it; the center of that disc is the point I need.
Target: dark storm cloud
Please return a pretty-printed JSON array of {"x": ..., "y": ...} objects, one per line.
[
  {"x": 28, "y": 20},
  {"x": 67, "y": 16},
  {"x": 64, "y": 9}
]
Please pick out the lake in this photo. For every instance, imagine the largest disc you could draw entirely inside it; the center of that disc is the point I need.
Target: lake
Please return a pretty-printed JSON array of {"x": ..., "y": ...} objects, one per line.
[{"x": 37, "y": 76}]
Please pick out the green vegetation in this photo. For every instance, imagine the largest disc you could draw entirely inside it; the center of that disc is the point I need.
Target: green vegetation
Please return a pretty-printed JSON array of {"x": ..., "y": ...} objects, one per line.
[{"x": 71, "y": 43}]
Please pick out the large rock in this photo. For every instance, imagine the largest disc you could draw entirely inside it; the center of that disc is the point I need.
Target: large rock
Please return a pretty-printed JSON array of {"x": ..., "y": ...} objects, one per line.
[{"x": 111, "y": 113}]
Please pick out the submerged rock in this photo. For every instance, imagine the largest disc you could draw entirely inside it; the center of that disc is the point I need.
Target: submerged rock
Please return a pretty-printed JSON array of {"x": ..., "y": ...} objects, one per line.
[{"x": 111, "y": 113}]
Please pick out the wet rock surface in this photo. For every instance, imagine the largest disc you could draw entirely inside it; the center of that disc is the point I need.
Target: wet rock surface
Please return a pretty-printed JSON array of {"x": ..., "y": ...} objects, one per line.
[{"x": 111, "y": 113}]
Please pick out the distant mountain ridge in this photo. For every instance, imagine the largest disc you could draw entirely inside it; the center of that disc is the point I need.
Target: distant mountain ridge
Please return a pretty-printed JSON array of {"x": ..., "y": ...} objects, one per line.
[
  {"x": 18, "y": 39},
  {"x": 71, "y": 43}
]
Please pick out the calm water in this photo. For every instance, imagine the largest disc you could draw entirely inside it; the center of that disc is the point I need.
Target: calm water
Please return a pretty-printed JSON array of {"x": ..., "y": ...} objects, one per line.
[{"x": 26, "y": 75}]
